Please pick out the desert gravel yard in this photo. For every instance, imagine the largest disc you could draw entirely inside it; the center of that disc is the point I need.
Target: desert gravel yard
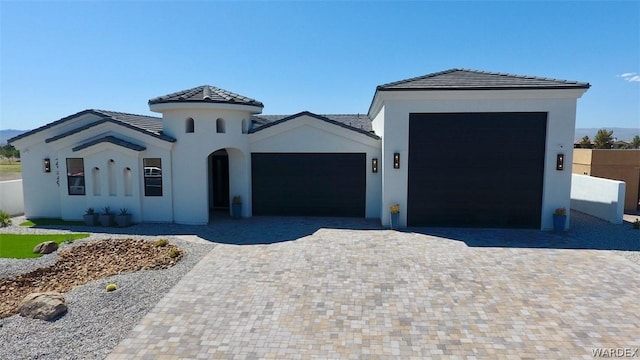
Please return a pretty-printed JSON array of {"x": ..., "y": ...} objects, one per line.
[{"x": 343, "y": 288}]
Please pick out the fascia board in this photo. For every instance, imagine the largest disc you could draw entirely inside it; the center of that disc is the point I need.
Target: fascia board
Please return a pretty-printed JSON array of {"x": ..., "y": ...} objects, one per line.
[
  {"x": 41, "y": 136},
  {"x": 104, "y": 129}
]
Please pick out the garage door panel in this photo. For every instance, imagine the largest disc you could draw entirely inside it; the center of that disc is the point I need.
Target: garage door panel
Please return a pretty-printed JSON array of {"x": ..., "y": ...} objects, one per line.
[
  {"x": 309, "y": 184},
  {"x": 476, "y": 169}
]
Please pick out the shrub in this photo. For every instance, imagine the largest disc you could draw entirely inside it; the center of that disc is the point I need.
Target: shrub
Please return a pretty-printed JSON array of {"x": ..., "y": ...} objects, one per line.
[
  {"x": 162, "y": 243},
  {"x": 90, "y": 211},
  {"x": 237, "y": 200},
  {"x": 636, "y": 224},
  {"x": 174, "y": 253},
  {"x": 395, "y": 209},
  {"x": 561, "y": 211},
  {"x": 111, "y": 287},
  {"x": 5, "y": 219}
]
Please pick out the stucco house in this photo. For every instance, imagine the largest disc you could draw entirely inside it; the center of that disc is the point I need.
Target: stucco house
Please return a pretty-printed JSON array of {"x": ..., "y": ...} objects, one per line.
[{"x": 211, "y": 145}]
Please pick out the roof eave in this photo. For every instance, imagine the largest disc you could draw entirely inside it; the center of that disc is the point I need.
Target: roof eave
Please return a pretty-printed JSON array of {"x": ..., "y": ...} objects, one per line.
[
  {"x": 176, "y": 105},
  {"x": 509, "y": 88}
]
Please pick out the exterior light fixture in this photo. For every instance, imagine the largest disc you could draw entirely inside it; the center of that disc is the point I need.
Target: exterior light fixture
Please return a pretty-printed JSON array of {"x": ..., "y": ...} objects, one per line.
[
  {"x": 396, "y": 160},
  {"x": 374, "y": 165},
  {"x": 47, "y": 165},
  {"x": 560, "y": 162}
]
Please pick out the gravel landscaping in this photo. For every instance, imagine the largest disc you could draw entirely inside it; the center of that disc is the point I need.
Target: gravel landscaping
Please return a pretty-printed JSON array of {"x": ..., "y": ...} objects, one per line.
[{"x": 96, "y": 320}]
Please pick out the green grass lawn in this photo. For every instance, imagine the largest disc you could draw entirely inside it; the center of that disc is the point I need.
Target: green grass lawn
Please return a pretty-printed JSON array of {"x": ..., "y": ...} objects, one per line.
[
  {"x": 50, "y": 221},
  {"x": 10, "y": 168},
  {"x": 20, "y": 246}
]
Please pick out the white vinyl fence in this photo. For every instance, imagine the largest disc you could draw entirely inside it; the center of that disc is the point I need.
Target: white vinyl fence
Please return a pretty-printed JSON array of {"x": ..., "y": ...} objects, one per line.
[
  {"x": 602, "y": 198},
  {"x": 11, "y": 198}
]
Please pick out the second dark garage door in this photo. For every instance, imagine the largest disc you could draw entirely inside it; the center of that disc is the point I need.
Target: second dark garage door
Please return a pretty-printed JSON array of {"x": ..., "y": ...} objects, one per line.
[
  {"x": 309, "y": 184},
  {"x": 476, "y": 169}
]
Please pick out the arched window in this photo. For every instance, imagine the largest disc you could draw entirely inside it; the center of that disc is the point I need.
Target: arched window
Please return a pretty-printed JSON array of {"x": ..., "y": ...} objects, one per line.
[
  {"x": 95, "y": 174},
  {"x": 112, "y": 177},
  {"x": 127, "y": 181},
  {"x": 189, "y": 126},
  {"x": 220, "y": 126}
]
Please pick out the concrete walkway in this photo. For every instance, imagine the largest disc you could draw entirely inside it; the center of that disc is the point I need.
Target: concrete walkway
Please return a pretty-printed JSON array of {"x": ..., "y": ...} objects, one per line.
[{"x": 371, "y": 293}]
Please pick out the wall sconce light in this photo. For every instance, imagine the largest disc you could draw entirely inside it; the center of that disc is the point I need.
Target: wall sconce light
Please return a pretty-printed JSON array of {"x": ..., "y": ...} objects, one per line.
[
  {"x": 396, "y": 160},
  {"x": 374, "y": 165},
  {"x": 47, "y": 165},
  {"x": 560, "y": 162}
]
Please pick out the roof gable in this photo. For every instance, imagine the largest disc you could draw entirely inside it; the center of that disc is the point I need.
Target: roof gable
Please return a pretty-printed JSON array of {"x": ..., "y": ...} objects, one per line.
[
  {"x": 205, "y": 94},
  {"x": 466, "y": 79},
  {"x": 146, "y": 124},
  {"x": 267, "y": 121},
  {"x": 111, "y": 140}
]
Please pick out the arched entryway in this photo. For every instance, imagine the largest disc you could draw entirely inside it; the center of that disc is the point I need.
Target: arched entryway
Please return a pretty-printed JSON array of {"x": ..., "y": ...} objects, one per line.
[{"x": 218, "y": 186}]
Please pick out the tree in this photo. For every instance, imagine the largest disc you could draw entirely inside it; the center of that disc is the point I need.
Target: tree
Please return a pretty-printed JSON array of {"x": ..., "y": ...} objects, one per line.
[
  {"x": 585, "y": 142},
  {"x": 9, "y": 152},
  {"x": 604, "y": 139},
  {"x": 635, "y": 142}
]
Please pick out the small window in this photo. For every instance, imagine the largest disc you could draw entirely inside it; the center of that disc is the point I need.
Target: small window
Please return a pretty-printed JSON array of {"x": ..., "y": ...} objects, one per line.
[
  {"x": 152, "y": 176},
  {"x": 244, "y": 126},
  {"x": 220, "y": 126},
  {"x": 189, "y": 127},
  {"x": 75, "y": 176}
]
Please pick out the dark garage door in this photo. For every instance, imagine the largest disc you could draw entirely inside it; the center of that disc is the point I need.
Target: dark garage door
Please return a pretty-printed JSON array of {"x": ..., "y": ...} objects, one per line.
[
  {"x": 476, "y": 169},
  {"x": 309, "y": 184}
]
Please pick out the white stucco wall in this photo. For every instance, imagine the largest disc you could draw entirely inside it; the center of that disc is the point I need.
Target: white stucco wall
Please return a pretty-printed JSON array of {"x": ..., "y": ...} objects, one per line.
[
  {"x": 306, "y": 134},
  {"x": 46, "y": 194},
  {"x": 602, "y": 198},
  {"x": 11, "y": 200},
  {"x": 190, "y": 171},
  {"x": 396, "y": 106}
]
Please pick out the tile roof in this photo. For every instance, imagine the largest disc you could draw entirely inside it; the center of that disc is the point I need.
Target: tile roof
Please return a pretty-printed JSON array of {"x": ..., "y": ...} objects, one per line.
[
  {"x": 113, "y": 140},
  {"x": 146, "y": 124},
  {"x": 356, "y": 122},
  {"x": 466, "y": 79},
  {"x": 205, "y": 94}
]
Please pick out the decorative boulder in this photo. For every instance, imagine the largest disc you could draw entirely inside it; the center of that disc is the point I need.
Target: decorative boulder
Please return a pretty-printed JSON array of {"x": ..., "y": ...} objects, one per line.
[
  {"x": 44, "y": 306},
  {"x": 46, "y": 247}
]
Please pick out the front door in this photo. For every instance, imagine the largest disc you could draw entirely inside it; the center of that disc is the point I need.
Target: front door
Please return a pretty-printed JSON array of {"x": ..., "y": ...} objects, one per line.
[{"x": 219, "y": 172}]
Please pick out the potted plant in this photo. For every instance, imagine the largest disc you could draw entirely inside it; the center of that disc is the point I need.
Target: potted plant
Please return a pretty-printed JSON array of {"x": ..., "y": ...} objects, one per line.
[
  {"x": 123, "y": 219},
  {"x": 90, "y": 217},
  {"x": 559, "y": 219},
  {"x": 106, "y": 218},
  {"x": 236, "y": 207},
  {"x": 395, "y": 215}
]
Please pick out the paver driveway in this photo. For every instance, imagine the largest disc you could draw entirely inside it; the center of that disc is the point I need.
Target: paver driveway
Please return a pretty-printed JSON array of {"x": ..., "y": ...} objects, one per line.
[{"x": 344, "y": 293}]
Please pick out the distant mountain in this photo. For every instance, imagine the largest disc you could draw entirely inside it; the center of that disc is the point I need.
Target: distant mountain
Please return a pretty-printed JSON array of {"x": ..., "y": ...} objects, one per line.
[
  {"x": 8, "y": 134},
  {"x": 622, "y": 134}
]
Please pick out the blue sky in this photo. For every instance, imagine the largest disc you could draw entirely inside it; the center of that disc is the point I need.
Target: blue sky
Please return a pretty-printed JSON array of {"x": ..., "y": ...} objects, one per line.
[{"x": 58, "y": 58}]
